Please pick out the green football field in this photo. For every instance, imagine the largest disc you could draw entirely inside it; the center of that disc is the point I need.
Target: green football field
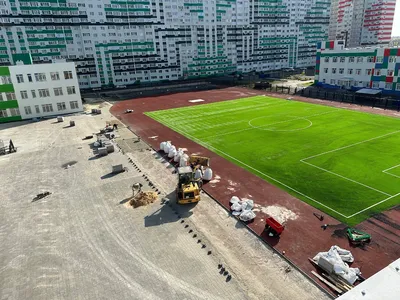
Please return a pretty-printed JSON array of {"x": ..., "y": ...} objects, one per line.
[{"x": 343, "y": 162}]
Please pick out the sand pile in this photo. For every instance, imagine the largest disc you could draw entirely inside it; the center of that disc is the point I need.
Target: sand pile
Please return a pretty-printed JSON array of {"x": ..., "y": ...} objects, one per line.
[{"x": 143, "y": 198}]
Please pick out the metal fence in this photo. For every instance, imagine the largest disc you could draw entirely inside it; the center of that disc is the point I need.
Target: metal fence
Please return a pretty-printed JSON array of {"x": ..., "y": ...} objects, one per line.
[{"x": 340, "y": 96}]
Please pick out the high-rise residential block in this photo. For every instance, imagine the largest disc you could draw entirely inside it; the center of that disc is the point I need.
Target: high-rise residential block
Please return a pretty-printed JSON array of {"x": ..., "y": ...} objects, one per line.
[
  {"x": 122, "y": 42},
  {"x": 362, "y": 22}
]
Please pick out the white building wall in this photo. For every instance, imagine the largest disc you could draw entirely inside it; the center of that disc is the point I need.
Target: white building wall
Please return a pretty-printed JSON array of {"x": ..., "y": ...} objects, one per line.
[{"x": 49, "y": 84}]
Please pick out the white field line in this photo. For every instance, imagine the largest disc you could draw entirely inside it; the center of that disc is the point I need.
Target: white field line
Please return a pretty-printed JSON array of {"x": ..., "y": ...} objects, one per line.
[
  {"x": 351, "y": 145},
  {"x": 391, "y": 168},
  {"x": 254, "y": 169},
  {"x": 345, "y": 147},
  {"x": 189, "y": 124},
  {"x": 386, "y": 171},
  {"x": 216, "y": 105},
  {"x": 254, "y": 127},
  {"x": 338, "y": 175},
  {"x": 185, "y": 117},
  {"x": 369, "y": 207},
  {"x": 283, "y": 184}
]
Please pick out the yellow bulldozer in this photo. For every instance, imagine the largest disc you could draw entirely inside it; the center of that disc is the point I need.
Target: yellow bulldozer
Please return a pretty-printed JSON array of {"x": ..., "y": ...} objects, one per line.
[{"x": 188, "y": 189}]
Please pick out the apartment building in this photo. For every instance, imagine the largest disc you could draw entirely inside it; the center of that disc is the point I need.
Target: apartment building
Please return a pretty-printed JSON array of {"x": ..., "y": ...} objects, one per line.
[
  {"x": 362, "y": 22},
  {"x": 119, "y": 42},
  {"x": 33, "y": 91},
  {"x": 355, "y": 68}
]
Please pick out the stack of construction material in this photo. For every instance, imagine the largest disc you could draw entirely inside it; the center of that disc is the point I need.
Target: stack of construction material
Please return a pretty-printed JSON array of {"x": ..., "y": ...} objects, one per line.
[
  {"x": 242, "y": 208},
  {"x": 143, "y": 198}
]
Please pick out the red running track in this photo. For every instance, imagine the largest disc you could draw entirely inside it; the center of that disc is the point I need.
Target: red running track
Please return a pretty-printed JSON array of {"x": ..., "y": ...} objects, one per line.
[{"x": 302, "y": 237}]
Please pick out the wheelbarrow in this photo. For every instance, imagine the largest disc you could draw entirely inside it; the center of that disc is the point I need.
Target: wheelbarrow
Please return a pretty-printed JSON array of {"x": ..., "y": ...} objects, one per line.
[{"x": 273, "y": 226}]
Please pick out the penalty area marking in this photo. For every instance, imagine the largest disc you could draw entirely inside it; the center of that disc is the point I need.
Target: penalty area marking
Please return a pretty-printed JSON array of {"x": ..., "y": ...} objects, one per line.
[
  {"x": 386, "y": 171},
  {"x": 285, "y": 185}
]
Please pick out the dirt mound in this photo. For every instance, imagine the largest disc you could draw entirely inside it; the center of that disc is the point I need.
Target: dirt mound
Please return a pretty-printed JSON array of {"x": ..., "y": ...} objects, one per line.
[{"x": 143, "y": 198}]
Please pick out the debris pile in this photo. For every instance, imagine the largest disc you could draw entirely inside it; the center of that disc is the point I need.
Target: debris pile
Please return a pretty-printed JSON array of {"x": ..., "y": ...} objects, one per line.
[
  {"x": 143, "y": 198},
  {"x": 242, "y": 208}
]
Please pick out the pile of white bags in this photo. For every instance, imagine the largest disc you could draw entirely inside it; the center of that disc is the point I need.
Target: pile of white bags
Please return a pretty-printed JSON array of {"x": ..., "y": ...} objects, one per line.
[
  {"x": 337, "y": 256},
  {"x": 178, "y": 155},
  {"x": 242, "y": 208},
  {"x": 183, "y": 160},
  {"x": 207, "y": 174},
  {"x": 162, "y": 145},
  {"x": 172, "y": 151},
  {"x": 167, "y": 145}
]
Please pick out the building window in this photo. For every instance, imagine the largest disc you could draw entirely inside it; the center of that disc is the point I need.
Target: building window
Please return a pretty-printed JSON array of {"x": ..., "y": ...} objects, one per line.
[
  {"x": 334, "y": 59},
  {"x": 68, "y": 74},
  {"x": 324, "y": 80},
  {"x": 388, "y": 86},
  {"x": 6, "y": 79},
  {"x": 360, "y": 83},
  {"x": 47, "y": 107},
  {"x": 375, "y": 84},
  {"x": 74, "y": 104},
  {"x": 351, "y": 59},
  {"x": 342, "y": 59},
  {"x": 341, "y": 70},
  {"x": 28, "y": 110},
  {"x": 333, "y": 81},
  {"x": 368, "y": 71},
  {"x": 61, "y": 106},
  {"x": 398, "y": 87},
  {"x": 54, "y": 76},
  {"x": 378, "y": 72},
  {"x": 370, "y": 59},
  {"x": 44, "y": 93},
  {"x": 14, "y": 112},
  {"x": 392, "y": 59},
  {"x": 333, "y": 70},
  {"x": 358, "y": 71},
  {"x": 33, "y": 93},
  {"x": 326, "y": 59},
  {"x": 390, "y": 72},
  {"x": 349, "y": 71},
  {"x": 20, "y": 78},
  {"x": 58, "y": 91},
  {"x": 1, "y": 96},
  {"x": 71, "y": 90},
  {"x": 24, "y": 94},
  {"x": 39, "y": 77},
  {"x": 10, "y": 96},
  {"x": 29, "y": 77},
  {"x": 326, "y": 70},
  {"x": 379, "y": 59},
  {"x": 37, "y": 109},
  {"x": 3, "y": 113},
  {"x": 360, "y": 59}
]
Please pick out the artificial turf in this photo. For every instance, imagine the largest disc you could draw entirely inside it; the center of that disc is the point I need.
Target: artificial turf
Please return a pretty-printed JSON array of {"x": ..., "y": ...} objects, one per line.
[{"x": 334, "y": 159}]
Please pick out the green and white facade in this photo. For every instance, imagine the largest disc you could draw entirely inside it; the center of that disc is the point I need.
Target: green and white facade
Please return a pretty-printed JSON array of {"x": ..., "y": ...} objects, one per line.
[
  {"x": 356, "y": 68},
  {"x": 9, "y": 109},
  {"x": 122, "y": 42},
  {"x": 32, "y": 91}
]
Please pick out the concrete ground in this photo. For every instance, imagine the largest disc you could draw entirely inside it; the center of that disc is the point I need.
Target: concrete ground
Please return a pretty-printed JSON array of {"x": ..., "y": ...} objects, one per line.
[{"x": 84, "y": 241}]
